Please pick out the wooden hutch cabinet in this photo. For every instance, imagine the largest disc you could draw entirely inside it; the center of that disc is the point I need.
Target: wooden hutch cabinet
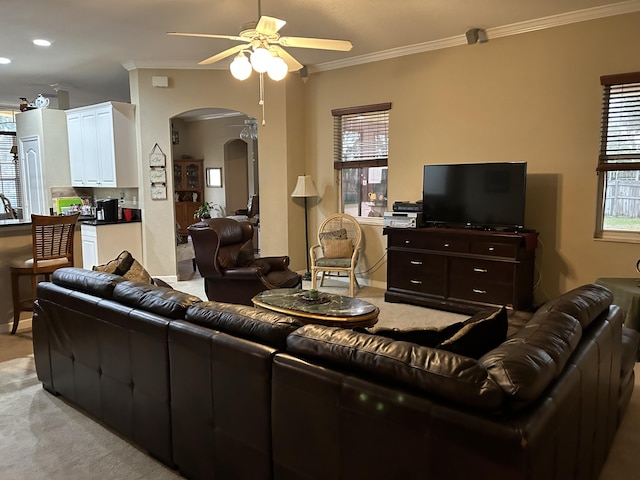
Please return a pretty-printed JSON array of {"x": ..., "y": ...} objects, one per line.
[
  {"x": 188, "y": 186},
  {"x": 460, "y": 270}
]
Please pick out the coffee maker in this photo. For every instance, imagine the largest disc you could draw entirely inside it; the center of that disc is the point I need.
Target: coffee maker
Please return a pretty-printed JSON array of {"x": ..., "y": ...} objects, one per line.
[{"x": 107, "y": 210}]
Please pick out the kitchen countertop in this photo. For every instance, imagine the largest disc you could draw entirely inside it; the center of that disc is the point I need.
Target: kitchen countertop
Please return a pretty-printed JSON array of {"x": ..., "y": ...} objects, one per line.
[
  {"x": 87, "y": 219},
  {"x": 93, "y": 221}
]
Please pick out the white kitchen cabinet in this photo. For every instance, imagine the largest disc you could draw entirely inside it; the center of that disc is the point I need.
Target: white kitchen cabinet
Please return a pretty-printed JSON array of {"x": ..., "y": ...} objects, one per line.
[
  {"x": 44, "y": 157},
  {"x": 102, "y": 149},
  {"x": 103, "y": 243}
]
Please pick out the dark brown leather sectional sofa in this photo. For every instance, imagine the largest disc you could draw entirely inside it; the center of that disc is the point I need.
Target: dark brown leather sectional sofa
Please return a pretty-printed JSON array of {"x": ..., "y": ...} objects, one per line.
[{"x": 230, "y": 392}]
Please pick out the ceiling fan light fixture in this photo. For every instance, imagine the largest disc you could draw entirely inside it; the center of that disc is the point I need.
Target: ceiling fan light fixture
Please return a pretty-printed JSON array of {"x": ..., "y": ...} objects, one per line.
[
  {"x": 260, "y": 59},
  {"x": 277, "y": 68},
  {"x": 240, "y": 67}
]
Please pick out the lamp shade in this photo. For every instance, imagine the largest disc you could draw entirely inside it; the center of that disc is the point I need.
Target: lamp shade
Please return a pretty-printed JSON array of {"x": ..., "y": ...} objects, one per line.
[
  {"x": 240, "y": 67},
  {"x": 277, "y": 69},
  {"x": 305, "y": 187},
  {"x": 260, "y": 59}
]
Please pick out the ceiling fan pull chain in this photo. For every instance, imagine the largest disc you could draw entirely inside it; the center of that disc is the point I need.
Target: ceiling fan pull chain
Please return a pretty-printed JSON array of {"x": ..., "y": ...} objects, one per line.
[{"x": 261, "y": 102}]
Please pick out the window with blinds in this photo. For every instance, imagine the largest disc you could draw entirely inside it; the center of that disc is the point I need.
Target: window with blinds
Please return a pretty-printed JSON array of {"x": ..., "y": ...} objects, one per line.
[
  {"x": 361, "y": 153},
  {"x": 619, "y": 158},
  {"x": 10, "y": 184}
]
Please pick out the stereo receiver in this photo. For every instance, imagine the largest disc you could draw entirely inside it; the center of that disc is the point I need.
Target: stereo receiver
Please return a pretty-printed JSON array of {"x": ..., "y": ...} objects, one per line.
[{"x": 402, "y": 219}]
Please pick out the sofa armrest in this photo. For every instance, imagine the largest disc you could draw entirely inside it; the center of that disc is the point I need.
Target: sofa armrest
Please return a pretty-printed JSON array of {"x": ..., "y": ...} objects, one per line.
[
  {"x": 242, "y": 273},
  {"x": 272, "y": 263}
]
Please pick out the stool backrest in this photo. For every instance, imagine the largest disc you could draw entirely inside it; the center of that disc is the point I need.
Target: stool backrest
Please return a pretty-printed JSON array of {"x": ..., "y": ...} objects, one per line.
[
  {"x": 8, "y": 209},
  {"x": 52, "y": 238}
]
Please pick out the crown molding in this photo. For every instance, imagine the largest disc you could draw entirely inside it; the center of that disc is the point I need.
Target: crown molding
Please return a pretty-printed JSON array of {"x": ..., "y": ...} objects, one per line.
[{"x": 497, "y": 32}]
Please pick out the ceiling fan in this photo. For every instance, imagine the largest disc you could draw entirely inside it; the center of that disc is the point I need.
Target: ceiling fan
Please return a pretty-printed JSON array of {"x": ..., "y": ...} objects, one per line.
[{"x": 264, "y": 44}]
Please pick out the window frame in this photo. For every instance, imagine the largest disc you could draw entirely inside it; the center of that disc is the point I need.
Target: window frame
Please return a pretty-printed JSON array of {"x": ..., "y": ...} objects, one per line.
[
  {"x": 615, "y": 160},
  {"x": 368, "y": 161},
  {"x": 8, "y": 130}
]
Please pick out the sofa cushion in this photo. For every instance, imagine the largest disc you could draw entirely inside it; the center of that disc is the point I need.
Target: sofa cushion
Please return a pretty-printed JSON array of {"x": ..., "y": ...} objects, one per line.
[
  {"x": 88, "y": 281},
  {"x": 453, "y": 377},
  {"x": 426, "y": 337},
  {"x": 161, "y": 301},
  {"x": 268, "y": 328},
  {"x": 584, "y": 303},
  {"x": 126, "y": 266},
  {"x": 530, "y": 360},
  {"x": 236, "y": 255},
  {"x": 483, "y": 331}
]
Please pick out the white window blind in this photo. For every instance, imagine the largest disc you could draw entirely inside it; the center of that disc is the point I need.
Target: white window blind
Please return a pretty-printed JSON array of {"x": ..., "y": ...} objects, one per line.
[
  {"x": 619, "y": 158},
  {"x": 10, "y": 185},
  {"x": 620, "y": 125},
  {"x": 361, "y": 154}
]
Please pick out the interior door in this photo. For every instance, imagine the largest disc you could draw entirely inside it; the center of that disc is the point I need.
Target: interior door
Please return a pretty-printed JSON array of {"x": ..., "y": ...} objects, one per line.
[{"x": 236, "y": 176}]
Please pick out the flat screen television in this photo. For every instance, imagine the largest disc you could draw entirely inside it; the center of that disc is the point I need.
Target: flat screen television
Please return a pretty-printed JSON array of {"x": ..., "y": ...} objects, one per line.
[{"x": 475, "y": 195}]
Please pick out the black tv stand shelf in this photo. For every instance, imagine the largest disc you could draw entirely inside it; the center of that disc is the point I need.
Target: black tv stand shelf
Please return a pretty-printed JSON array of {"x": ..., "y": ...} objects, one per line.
[{"x": 460, "y": 270}]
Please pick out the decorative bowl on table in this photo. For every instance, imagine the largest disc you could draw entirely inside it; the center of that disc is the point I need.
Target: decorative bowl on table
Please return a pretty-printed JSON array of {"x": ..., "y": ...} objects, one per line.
[{"x": 319, "y": 298}]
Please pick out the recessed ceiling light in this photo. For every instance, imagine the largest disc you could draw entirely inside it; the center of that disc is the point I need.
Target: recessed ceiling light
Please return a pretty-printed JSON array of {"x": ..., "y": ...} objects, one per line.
[
  {"x": 41, "y": 42},
  {"x": 4, "y": 60}
]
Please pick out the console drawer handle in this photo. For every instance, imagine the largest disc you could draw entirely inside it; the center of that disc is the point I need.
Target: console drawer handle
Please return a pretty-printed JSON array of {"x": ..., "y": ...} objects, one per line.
[
  {"x": 480, "y": 270},
  {"x": 416, "y": 262},
  {"x": 491, "y": 249},
  {"x": 407, "y": 242},
  {"x": 446, "y": 245},
  {"x": 416, "y": 282},
  {"x": 481, "y": 292}
]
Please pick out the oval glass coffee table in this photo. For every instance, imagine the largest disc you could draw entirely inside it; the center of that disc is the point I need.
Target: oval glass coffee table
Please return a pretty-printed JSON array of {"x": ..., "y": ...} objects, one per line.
[{"x": 330, "y": 309}]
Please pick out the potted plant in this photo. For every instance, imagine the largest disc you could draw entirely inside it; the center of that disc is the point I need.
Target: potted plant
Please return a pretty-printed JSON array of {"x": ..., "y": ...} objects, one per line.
[{"x": 202, "y": 211}]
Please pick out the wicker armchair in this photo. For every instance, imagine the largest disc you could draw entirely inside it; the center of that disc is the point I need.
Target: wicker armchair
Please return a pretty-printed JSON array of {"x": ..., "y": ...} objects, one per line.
[{"x": 337, "y": 250}]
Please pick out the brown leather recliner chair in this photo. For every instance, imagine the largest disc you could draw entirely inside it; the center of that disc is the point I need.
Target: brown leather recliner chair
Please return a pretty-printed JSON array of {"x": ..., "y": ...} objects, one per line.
[{"x": 224, "y": 256}]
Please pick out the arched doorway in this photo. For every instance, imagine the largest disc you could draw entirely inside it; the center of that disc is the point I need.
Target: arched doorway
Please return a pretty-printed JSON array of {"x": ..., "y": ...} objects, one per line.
[
  {"x": 236, "y": 175},
  {"x": 214, "y": 137}
]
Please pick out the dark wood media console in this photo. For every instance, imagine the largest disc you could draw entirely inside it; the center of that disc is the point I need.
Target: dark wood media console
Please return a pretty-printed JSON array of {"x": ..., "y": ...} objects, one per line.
[{"x": 460, "y": 270}]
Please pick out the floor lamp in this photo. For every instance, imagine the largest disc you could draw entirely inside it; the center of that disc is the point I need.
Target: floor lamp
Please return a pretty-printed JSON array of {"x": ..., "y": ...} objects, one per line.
[{"x": 305, "y": 189}]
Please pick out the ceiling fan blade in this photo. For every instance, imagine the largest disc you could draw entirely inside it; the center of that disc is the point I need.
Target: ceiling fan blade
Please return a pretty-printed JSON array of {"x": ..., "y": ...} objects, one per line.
[
  {"x": 207, "y": 35},
  {"x": 292, "y": 64},
  {"x": 269, "y": 25},
  {"x": 221, "y": 55},
  {"x": 319, "y": 43}
]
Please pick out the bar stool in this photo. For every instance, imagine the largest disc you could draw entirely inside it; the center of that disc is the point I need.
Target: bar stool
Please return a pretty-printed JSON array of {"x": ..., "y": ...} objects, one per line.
[
  {"x": 52, "y": 248},
  {"x": 9, "y": 212}
]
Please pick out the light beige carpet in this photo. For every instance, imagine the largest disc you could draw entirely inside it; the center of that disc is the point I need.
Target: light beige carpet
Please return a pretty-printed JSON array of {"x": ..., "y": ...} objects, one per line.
[
  {"x": 42, "y": 437},
  {"x": 391, "y": 314}
]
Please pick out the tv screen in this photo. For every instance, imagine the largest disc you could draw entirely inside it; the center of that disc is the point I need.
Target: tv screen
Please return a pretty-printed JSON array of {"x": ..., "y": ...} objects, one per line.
[{"x": 482, "y": 195}]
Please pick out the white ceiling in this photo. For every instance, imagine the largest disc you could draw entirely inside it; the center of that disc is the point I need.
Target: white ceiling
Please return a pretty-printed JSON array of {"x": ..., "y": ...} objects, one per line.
[{"x": 93, "y": 41}]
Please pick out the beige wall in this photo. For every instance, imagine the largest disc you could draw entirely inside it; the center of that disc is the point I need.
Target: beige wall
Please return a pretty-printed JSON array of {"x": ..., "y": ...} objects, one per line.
[
  {"x": 193, "y": 89},
  {"x": 531, "y": 97}
]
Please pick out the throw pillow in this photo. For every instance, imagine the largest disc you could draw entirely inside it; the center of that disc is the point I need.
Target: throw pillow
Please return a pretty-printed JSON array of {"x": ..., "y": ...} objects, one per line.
[
  {"x": 338, "y": 248},
  {"x": 426, "y": 337},
  {"x": 332, "y": 235},
  {"x": 342, "y": 233},
  {"x": 126, "y": 266},
  {"x": 482, "y": 332}
]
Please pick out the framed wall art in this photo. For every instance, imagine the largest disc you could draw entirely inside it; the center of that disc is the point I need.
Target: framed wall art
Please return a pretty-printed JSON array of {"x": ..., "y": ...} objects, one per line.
[{"x": 214, "y": 177}]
